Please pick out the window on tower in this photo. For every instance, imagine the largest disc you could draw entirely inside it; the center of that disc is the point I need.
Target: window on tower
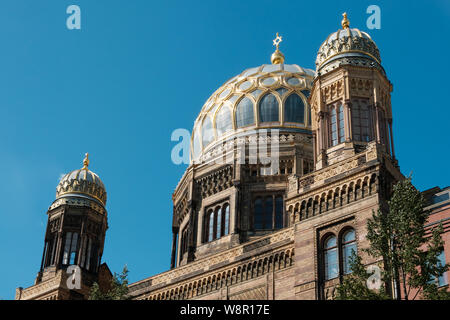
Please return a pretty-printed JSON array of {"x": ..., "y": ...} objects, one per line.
[
  {"x": 217, "y": 222},
  {"x": 361, "y": 124},
  {"x": 70, "y": 248},
  {"x": 337, "y": 124}
]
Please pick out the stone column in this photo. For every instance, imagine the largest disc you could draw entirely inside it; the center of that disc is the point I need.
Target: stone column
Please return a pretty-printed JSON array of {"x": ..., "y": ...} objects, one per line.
[
  {"x": 174, "y": 246},
  {"x": 392, "y": 138},
  {"x": 347, "y": 121}
]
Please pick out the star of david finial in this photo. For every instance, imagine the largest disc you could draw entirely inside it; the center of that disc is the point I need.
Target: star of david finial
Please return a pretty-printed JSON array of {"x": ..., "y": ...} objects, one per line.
[
  {"x": 277, "y": 40},
  {"x": 277, "y": 57}
]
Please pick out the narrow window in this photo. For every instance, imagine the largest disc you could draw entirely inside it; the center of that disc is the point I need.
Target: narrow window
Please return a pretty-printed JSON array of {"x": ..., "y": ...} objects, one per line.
[
  {"x": 442, "y": 280},
  {"x": 334, "y": 138},
  {"x": 73, "y": 248},
  {"x": 258, "y": 214},
  {"x": 267, "y": 224},
  {"x": 348, "y": 246},
  {"x": 211, "y": 225},
  {"x": 218, "y": 223},
  {"x": 341, "y": 124},
  {"x": 227, "y": 219},
  {"x": 331, "y": 258},
  {"x": 278, "y": 212}
]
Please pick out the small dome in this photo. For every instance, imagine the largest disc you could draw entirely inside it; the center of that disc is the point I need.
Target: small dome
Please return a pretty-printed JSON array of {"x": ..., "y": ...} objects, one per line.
[
  {"x": 268, "y": 96},
  {"x": 347, "y": 43},
  {"x": 82, "y": 183}
]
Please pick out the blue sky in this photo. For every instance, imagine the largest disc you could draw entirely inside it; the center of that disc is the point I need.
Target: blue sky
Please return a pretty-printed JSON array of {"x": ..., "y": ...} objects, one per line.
[{"x": 139, "y": 69}]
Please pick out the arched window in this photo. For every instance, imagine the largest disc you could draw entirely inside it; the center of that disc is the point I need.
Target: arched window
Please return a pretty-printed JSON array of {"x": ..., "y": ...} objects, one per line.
[
  {"x": 184, "y": 241},
  {"x": 244, "y": 113},
  {"x": 268, "y": 108},
  {"x": 331, "y": 258},
  {"x": 348, "y": 246},
  {"x": 337, "y": 125},
  {"x": 223, "y": 120},
  {"x": 210, "y": 216},
  {"x": 294, "y": 109},
  {"x": 207, "y": 132},
  {"x": 226, "y": 210},
  {"x": 218, "y": 223}
]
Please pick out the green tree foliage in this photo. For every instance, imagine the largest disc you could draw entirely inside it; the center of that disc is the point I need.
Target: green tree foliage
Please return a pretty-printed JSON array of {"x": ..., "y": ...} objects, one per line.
[
  {"x": 398, "y": 237},
  {"x": 118, "y": 288},
  {"x": 354, "y": 287}
]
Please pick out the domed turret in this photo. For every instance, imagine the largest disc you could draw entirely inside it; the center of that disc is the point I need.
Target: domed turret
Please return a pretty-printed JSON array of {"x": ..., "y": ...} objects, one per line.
[
  {"x": 349, "y": 44},
  {"x": 82, "y": 183}
]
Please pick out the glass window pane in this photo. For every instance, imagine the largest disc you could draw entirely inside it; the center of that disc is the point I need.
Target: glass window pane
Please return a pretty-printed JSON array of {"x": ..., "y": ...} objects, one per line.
[
  {"x": 331, "y": 264},
  {"x": 347, "y": 252},
  {"x": 268, "y": 108},
  {"x": 258, "y": 214},
  {"x": 278, "y": 212},
  {"x": 223, "y": 120},
  {"x": 293, "y": 81},
  {"x": 442, "y": 280},
  {"x": 268, "y": 213},
  {"x": 281, "y": 91},
  {"x": 227, "y": 220},
  {"x": 349, "y": 236},
  {"x": 211, "y": 226},
  {"x": 244, "y": 113},
  {"x": 331, "y": 242},
  {"x": 294, "y": 109},
  {"x": 219, "y": 223},
  {"x": 207, "y": 132}
]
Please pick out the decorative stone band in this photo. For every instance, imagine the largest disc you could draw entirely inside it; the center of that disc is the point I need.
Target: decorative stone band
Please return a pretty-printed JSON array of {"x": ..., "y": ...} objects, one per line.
[
  {"x": 77, "y": 201},
  {"x": 224, "y": 263},
  {"x": 232, "y": 144},
  {"x": 82, "y": 187}
]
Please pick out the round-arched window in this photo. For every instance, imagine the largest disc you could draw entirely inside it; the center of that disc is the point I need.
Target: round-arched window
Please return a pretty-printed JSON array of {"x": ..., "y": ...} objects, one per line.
[
  {"x": 268, "y": 109},
  {"x": 331, "y": 258},
  {"x": 207, "y": 132},
  {"x": 294, "y": 109},
  {"x": 244, "y": 113},
  {"x": 223, "y": 120},
  {"x": 348, "y": 246}
]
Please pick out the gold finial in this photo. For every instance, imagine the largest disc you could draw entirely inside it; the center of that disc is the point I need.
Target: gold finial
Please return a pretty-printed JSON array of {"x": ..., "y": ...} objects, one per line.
[
  {"x": 345, "y": 22},
  {"x": 277, "y": 56},
  {"x": 86, "y": 161}
]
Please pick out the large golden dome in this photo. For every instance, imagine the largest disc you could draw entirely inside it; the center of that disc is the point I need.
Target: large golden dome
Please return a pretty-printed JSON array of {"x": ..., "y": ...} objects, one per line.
[
  {"x": 268, "y": 96},
  {"x": 82, "y": 183}
]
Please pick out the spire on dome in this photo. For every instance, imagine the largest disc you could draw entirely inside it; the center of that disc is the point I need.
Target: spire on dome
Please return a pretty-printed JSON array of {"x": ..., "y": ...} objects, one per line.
[
  {"x": 345, "y": 22},
  {"x": 86, "y": 161},
  {"x": 277, "y": 56}
]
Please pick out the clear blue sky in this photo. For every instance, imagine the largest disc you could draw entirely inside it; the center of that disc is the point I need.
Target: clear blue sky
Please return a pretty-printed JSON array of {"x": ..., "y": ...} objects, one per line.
[{"x": 139, "y": 69}]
